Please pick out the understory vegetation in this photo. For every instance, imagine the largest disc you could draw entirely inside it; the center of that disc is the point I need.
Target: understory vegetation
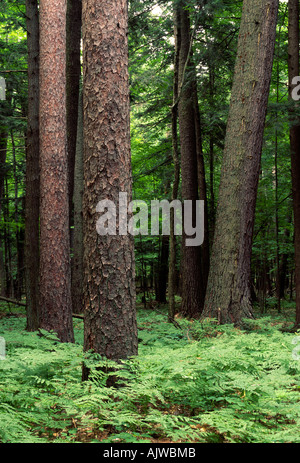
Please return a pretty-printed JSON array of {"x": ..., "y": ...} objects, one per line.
[{"x": 192, "y": 382}]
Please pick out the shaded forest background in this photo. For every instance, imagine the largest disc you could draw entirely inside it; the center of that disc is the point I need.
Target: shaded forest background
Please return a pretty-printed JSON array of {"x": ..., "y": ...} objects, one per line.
[
  {"x": 194, "y": 380},
  {"x": 151, "y": 50}
]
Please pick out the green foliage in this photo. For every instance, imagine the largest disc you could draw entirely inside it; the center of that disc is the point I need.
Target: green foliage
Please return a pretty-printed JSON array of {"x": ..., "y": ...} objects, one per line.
[{"x": 200, "y": 383}]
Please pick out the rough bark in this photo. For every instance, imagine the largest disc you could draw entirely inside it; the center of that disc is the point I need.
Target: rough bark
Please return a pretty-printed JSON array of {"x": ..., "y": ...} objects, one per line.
[
  {"x": 32, "y": 180},
  {"x": 201, "y": 184},
  {"x": 176, "y": 163},
  {"x": 7, "y": 243},
  {"x": 55, "y": 271},
  {"x": 77, "y": 264},
  {"x": 73, "y": 72},
  {"x": 3, "y": 152},
  {"x": 109, "y": 286},
  {"x": 162, "y": 271},
  {"x": 228, "y": 296},
  {"x": 2, "y": 273},
  {"x": 19, "y": 234},
  {"x": 192, "y": 282},
  {"x": 293, "y": 70}
]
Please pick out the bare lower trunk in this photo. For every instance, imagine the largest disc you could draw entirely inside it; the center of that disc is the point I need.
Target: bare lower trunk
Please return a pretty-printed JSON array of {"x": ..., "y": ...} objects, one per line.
[
  {"x": 109, "y": 272},
  {"x": 73, "y": 72},
  {"x": 293, "y": 68},
  {"x": 175, "y": 152},
  {"x": 77, "y": 265},
  {"x": 228, "y": 296},
  {"x": 32, "y": 198},
  {"x": 55, "y": 271},
  {"x": 192, "y": 280}
]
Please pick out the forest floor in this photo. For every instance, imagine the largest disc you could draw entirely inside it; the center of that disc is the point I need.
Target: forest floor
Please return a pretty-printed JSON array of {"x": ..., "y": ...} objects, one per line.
[{"x": 191, "y": 383}]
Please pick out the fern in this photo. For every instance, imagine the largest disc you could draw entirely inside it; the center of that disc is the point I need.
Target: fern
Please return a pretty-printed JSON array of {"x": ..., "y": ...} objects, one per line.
[{"x": 200, "y": 383}]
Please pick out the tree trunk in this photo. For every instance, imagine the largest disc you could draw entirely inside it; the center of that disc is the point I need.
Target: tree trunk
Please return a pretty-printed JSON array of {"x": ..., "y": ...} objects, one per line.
[
  {"x": 32, "y": 180},
  {"x": 293, "y": 70},
  {"x": 55, "y": 271},
  {"x": 175, "y": 153},
  {"x": 18, "y": 233},
  {"x": 3, "y": 152},
  {"x": 192, "y": 282},
  {"x": 2, "y": 273},
  {"x": 228, "y": 296},
  {"x": 7, "y": 244},
  {"x": 201, "y": 185},
  {"x": 77, "y": 265},
  {"x": 211, "y": 153},
  {"x": 73, "y": 72},
  {"x": 284, "y": 267},
  {"x": 162, "y": 272},
  {"x": 75, "y": 146},
  {"x": 109, "y": 274}
]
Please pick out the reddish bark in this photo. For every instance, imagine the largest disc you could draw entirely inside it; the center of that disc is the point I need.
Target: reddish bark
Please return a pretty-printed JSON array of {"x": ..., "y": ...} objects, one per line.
[
  {"x": 109, "y": 289},
  {"x": 55, "y": 274}
]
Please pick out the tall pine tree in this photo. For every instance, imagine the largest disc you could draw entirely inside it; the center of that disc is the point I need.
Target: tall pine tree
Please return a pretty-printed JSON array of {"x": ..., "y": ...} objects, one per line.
[
  {"x": 228, "y": 296},
  {"x": 55, "y": 270},
  {"x": 109, "y": 287}
]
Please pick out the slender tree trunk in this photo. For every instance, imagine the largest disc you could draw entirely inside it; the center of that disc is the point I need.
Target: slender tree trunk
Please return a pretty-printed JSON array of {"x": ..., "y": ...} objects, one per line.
[
  {"x": 5, "y": 110},
  {"x": 75, "y": 145},
  {"x": 228, "y": 296},
  {"x": 7, "y": 244},
  {"x": 202, "y": 186},
  {"x": 192, "y": 281},
  {"x": 73, "y": 72},
  {"x": 212, "y": 208},
  {"x": 109, "y": 273},
  {"x": 278, "y": 292},
  {"x": 18, "y": 234},
  {"x": 163, "y": 270},
  {"x": 77, "y": 266},
  {"x": 293, "y": 70},
  {"x": 277, "y": 225},
  {"x": 175, "y": 153},
  {"x": 55, "y": 270},
  {"x": 3, "y": 152},
  {"x": 284, "y": 267},
  {"x": 2, "y": 273},
  {"x": 32, "y": 180}
]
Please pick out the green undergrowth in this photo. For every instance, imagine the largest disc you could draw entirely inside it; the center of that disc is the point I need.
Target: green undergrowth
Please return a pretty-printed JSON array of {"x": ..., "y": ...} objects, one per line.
[{"x": 199, "y": 382}]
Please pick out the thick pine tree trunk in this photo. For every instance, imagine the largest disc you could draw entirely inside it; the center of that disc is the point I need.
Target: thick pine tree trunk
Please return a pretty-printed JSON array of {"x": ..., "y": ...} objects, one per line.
[
  {"x": 109, "y": 273},
  {"x": 228, "y": 296},
  {"x": 293, "y": 70},
  {"x": 55, "y": 270}
]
